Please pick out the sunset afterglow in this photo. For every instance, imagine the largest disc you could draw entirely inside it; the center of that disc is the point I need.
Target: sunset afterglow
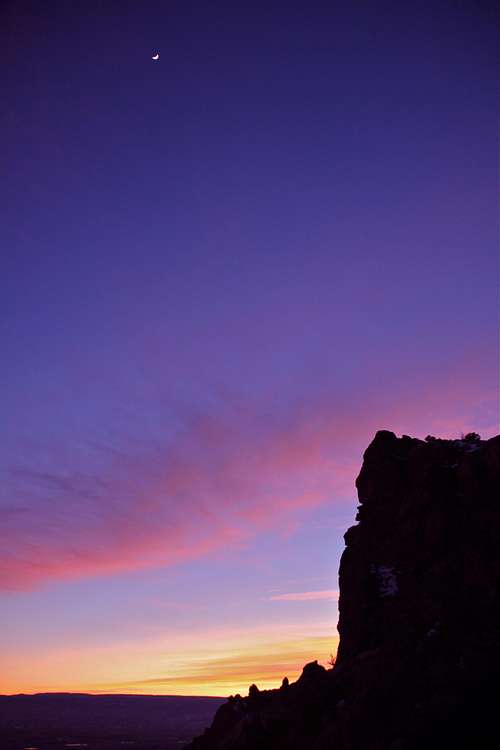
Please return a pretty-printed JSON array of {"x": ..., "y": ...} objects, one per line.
[{"x": 222, "y": 272}]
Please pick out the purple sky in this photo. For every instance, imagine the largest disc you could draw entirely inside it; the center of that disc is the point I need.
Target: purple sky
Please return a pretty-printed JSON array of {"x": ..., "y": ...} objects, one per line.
[{"x": 221, "y": 274}]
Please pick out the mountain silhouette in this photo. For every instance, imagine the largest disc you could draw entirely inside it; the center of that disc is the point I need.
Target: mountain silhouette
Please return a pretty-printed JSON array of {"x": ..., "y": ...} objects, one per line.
[{"x": 59, "y": 721}]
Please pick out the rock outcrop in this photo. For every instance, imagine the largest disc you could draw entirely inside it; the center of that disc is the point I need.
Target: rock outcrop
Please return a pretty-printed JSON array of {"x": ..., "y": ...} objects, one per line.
[{"x": 419, "y": 654}]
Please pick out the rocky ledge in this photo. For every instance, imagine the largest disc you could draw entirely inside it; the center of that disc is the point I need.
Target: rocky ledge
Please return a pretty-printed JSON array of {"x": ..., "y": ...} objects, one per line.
[{"x": 419, "y": 654}]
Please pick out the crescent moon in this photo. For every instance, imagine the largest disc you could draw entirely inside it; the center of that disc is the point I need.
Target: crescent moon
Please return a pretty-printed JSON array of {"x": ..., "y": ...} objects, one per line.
[{"x": 156, "y": 57}]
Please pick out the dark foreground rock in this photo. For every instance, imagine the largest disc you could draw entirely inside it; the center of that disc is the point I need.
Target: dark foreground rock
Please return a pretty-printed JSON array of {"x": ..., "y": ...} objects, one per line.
[{"x": 419, "y": 655}]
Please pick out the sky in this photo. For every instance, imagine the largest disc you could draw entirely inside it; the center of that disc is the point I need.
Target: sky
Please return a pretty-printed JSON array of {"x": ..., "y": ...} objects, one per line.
[{"x": 222, "y": 272}]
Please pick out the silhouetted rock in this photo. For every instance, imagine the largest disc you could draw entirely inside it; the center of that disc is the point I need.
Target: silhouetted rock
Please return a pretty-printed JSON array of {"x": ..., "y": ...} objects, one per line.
[
  {"x": 419, "y": 654},
  {"x": 253, "y": 692}
]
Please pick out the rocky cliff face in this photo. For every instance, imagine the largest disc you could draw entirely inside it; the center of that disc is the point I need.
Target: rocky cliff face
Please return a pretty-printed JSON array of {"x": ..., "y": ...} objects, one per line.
[{"x": 419, "y": 654}]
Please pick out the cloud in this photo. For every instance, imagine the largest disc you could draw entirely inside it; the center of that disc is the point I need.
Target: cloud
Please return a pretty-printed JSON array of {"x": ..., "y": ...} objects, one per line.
[
  {"x": 222, "y": 673},
  {"x": 218, "y": 483},
  {"x": 305, "y": 596},
  {"x": 147, "y": 497},
  {"x": 214, "y": 660}
]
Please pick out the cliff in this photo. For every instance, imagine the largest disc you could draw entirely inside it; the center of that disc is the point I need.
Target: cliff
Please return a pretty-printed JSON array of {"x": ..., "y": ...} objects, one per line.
[{"x": 419, "y": 653}]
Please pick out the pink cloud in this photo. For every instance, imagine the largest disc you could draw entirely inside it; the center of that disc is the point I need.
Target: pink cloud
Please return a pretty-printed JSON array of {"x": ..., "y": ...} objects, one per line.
[
  {"x": 215, "y": 485},
  {"x": 305, "y": 596}
]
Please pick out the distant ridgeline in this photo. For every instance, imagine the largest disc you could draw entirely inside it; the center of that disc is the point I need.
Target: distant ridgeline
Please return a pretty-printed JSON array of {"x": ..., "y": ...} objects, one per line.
[{"x": 419, "y": 655}]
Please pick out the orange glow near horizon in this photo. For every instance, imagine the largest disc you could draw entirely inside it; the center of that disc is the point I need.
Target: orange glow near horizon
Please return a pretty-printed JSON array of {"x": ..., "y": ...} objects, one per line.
[{"x": 229, "y": 667}]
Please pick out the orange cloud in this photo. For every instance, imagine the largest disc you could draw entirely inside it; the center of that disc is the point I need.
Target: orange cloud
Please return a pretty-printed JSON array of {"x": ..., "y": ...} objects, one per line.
[
  {"x": 215, "y": 662},
  {"x": 265, "y": 664}
]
